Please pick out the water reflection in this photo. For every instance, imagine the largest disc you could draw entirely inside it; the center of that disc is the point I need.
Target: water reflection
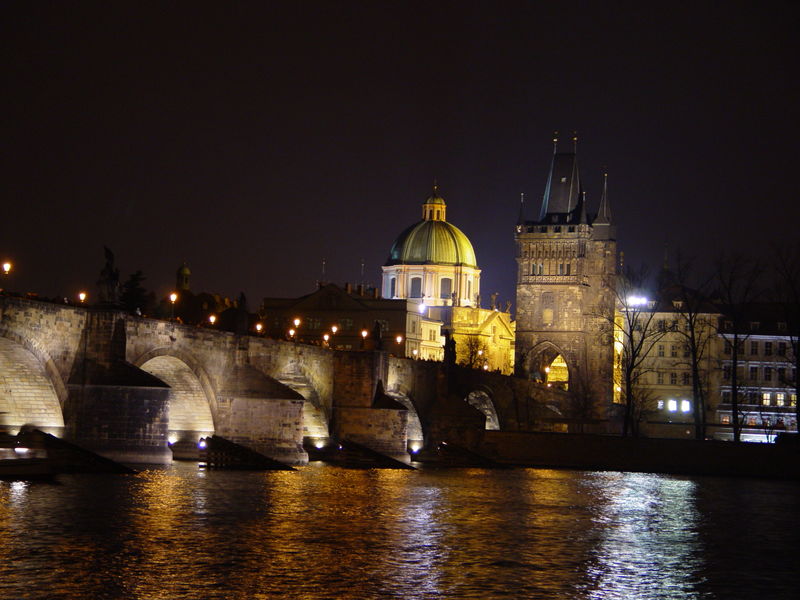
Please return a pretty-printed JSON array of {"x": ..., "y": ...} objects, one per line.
[
  {"x": 326, "y": 532},
  {"x": 649, "y": 547}
]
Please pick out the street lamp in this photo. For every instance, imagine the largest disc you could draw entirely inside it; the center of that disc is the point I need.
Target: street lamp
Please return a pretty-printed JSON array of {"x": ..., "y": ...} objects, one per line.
[
  {"x": 212, "y": 319},
  {"x": 172, "y": 298},
  {"x": 297, "y": 322},
  {"x": 6, "y": 267},
  {"x": 259, "y": 327},
  {"x": 291, "y": 333},
  {"x": 415, "y": 352},
  {"x": 82, "y": 297},
  {"x": 334, "y": 329},
  {"x": 364, "y": 333},
  {"x": 399, "y": 339}
]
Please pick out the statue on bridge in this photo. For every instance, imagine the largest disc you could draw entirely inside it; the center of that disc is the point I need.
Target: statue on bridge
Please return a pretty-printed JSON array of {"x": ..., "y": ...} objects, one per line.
[{"x": 108, "y": 284}]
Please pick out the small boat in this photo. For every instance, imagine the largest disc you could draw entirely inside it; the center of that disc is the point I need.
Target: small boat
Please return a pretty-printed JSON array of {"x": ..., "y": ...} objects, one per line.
[{"x": 20, "y": 463}]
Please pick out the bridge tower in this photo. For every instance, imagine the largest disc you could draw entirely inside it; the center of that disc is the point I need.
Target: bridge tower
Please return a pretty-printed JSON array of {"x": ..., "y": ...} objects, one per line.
[{"x": 566, "y": 260}]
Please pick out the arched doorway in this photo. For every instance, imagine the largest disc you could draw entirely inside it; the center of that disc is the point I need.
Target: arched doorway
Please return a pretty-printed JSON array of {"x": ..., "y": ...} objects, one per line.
[
  {"x": 190, "y": 415},
  {"x": 27, "y": 394}
]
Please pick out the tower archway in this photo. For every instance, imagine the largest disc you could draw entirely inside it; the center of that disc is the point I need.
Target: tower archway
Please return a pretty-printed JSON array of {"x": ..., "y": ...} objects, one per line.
[{"x": 549, "y": 366}]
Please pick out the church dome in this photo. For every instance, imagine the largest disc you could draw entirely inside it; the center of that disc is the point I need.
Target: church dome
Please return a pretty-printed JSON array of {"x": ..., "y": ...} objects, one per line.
[{"x": 432, "y": 242}]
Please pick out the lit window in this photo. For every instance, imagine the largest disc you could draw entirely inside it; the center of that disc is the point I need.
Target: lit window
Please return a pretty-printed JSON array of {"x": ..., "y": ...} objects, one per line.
[
  {"x": 660, "y": 405},
  {"x": 673, "y": 378},
  {"x": 686, "y": 406},
  {"x": 726, "y": 419},
  {"x": 660, "y": 378},
  {"x": 672, "y": 405},
  {"x": 765, "y": 398},
  {"x": 780, "y": 399},
  {"x": 661, "y": 349}
]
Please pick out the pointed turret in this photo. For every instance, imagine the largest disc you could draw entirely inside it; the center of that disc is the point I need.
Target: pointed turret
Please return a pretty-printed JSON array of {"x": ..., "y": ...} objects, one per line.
[
  {"x": 603, "y": 224},
  {"x": 582, "y": 212},
  {"x": 521, "y": 218}
]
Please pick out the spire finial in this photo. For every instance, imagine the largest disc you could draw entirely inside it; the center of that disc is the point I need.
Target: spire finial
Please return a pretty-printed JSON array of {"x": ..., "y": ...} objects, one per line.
[
  {"x": 435, "y": 187},
  {"x": 575, "y": 141},
  {"x": 555, "y": 142}
]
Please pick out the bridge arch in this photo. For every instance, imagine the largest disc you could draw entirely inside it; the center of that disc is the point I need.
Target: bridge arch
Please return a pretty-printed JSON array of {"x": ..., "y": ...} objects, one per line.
[
  {"x": 481, "y": 398},
  {"x": 415, "y": 433},
  {"x": 32, "y": 391},
  {"x": 193, "y": 402}
]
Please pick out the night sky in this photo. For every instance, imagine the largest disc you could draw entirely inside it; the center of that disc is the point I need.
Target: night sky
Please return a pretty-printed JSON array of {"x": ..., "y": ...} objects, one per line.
[{"x": 255, "y": 139}]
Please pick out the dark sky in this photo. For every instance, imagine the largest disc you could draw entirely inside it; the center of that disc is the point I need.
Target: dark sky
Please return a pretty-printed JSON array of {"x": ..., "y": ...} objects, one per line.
[{"x": 255, "y": 139}]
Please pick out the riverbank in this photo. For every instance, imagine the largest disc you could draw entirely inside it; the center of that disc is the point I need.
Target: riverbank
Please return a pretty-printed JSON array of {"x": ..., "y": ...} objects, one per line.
[{"x": 644, "y": 455}]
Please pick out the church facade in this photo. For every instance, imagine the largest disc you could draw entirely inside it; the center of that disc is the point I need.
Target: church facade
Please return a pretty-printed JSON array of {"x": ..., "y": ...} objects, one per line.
[
  {"x": 566, "y": 265},
  {"x": 433, "y": 264}
]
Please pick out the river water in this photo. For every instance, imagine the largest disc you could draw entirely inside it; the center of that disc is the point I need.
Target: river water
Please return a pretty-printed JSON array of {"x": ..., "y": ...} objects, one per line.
[{"x": 326, "y": 532}]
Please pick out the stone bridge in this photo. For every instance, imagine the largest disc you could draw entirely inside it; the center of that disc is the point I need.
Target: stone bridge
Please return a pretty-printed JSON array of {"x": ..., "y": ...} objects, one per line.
[{"x": 124, "y": 386}]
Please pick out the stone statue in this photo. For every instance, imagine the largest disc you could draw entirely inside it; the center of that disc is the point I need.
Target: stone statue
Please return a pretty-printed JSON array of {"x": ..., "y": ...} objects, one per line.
[
  {"x": 449, "y": 349},
  {"x": 108, "y": 284},
  {"x": 376, "y": 336},
  {"x": 494, "y": 300}
]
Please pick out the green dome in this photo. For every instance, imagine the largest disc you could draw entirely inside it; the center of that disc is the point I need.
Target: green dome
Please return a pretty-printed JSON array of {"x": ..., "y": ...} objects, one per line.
[{"x": 432, "y": 242}]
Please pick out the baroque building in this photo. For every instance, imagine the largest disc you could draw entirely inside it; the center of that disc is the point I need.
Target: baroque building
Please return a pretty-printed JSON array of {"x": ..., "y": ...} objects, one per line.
[
  {"x": 566, "y": 265},
  {"x": 433, "y": 264}
]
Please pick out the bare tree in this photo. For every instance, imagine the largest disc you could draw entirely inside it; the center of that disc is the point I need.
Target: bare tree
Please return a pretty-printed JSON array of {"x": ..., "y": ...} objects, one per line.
[
  {"x": 738, "y": 284},
  {"x": 697, "y": 326},
  {"x": 786, "y": 290},
  {"x": 635, "y": 335},
  {"x": 474, "y": 353}
]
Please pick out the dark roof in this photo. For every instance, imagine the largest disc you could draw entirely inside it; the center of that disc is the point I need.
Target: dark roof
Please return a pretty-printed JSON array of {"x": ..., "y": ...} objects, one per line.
[{"x": 563, "y": 189}]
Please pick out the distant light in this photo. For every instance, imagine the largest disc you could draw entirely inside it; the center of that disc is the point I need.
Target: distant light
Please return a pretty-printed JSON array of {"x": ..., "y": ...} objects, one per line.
[
  {"x": 415, "y": 352},
  {"x": 485, "y": 367},
  {"x": 296, "y": 322},
  {"x": 6, "y": 267},
  {"x": 201, "y": 444},
  {"x": 334, "y": 329},
  {"x": 172, "y": 439},
  {"x": 480, "y": 352},
  {"x": 636, "y": 300},
  {"x": 326, "y": 337},
  {"x": 547, "y": 369},
  {"x": 173, "y": 297},
  {"x": 399, "y": 339},
  {"x": 21, "y": 450},
  {"x": 82, "y": 296},
  {"x": 364, "y": 333},
  {"x": 259, "y": 327},
  {"x": 422, "y": 308},
  {"x": 212, "y": 319},
  {"x": 291, "y": 332},
  {"x": 319, "y": 444},
  {"x": 415, "y": 447}
]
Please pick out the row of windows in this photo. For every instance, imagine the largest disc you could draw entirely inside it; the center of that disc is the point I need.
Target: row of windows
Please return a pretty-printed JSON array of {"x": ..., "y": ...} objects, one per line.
[
  {"x": 754, "y": 325},
  {"x": 754, "y": 421},
  {"x": 769, "y": 348},
  {"x": 673, "y": 350},
  {"x": 769, "y": 374},
  {"x": 763, "y": 398},
  {"x": 561, "y": 269},
  {"x": 445, "y": 288},
  {"x": 672, "y": 405},
  {"x": 661, "y": 378}
]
